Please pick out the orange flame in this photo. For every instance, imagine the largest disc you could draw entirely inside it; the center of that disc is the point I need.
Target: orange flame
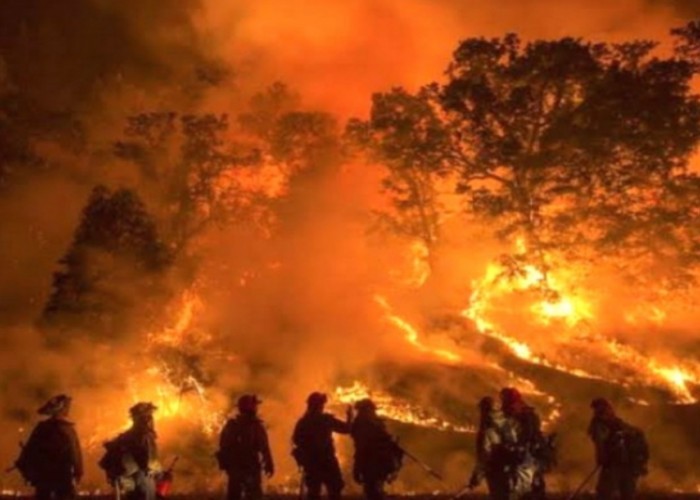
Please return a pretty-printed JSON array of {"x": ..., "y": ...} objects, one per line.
[
  {"x": 396, "y": 409},
  {"x": 572, "y": 311},
  {"x": 411, "y": 334}
]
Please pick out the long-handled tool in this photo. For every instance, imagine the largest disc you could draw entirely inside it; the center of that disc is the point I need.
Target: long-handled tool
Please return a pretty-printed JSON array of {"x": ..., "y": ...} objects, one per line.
[
  {"x": 302, "y": 481},
  {"x": 117, "y": 489},
  {"x": 14, "y": 467},
  {"x": 423, "y": 465},
  {"x": 467, "y": 489},
  {"x": 474, "y": 481},
  {"x": 578, "y": 490}
]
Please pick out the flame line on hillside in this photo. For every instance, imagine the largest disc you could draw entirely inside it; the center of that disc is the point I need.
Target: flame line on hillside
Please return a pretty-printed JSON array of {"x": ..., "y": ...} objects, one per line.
[
  {"x": 396, "y": 409},
  {"x": 573, "y": 312},
  {"x": 411, "y": 334}
]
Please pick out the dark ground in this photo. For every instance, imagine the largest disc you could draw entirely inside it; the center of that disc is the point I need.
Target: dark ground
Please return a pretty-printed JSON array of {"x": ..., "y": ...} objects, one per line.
[{"x": 641, "y": 496}]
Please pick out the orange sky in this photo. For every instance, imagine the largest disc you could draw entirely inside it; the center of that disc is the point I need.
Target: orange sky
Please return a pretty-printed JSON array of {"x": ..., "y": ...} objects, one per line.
[{"x": 338, "y": 52}]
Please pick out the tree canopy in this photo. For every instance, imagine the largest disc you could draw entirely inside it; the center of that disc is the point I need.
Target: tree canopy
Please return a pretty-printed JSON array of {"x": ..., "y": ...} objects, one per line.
[
  {"x": 579, "y": 148},
  {"x": 406, "y": 134},
  {"x": 112, "y": 268}
]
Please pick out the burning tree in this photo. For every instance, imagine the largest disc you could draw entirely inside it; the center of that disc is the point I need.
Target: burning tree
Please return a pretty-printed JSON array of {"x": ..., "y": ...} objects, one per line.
[
  {"x": 573, "y": 145},
  {"x": 573, "y": 153},
  {"x": 578, "y": 148},
  {"x": 191, "y": 168},
  {"x": 266, "y": 108},
  {"x": 115, "y": 260},
  {"x": 204, "y": 171},
  {"x": 406, "y": 134},
  {"x": 288, "y": 135}
]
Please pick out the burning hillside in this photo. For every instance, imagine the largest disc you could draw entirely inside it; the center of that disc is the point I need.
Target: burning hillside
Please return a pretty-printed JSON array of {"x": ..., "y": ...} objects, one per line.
[{"x": 184, "y": 228}]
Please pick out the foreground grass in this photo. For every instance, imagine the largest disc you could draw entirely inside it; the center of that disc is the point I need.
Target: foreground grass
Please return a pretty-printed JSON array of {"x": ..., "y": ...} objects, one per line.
[{"x": 555, "y": 496}]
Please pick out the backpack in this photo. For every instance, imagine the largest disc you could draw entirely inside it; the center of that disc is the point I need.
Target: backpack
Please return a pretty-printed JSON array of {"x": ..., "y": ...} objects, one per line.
[
  {"x": 628, "y": 446},
  {"x": 118, "y": 462},
  {"x": 41, "y": 457},
  {"x": 240, "y": 446},
  {"x": 26, "y": 465},
  {"x": 112, "y": 460},
  {"x": 637, "y": 449},
  {"x": 377, "y": 453},
  {"x": 301, "y": 458},
  {"x": 545, "y": 452},
  {"x": 305, "y": 440},
  {"x": 393, "y": 455}
]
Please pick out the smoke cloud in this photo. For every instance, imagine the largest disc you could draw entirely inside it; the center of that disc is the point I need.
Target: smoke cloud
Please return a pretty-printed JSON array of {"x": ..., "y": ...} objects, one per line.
[{"x": 293, "y": 307}]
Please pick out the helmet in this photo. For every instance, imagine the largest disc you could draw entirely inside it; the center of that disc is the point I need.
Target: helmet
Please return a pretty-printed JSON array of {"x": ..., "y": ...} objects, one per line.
[
  {"x": 365, "y": 404},
  {"x": 55, "y": 405},
  {"x": 486, "y": 404},
  {"x": 248, "y": 403},
  {"x": 512, "y": 401},
  {"x": 142, "y": 409},
  {"x": 602, "y": 408},
  {"x": 510, "y": 396},
  {"x": 316, "y": 399},
  {"x": 601, "y": 404}
]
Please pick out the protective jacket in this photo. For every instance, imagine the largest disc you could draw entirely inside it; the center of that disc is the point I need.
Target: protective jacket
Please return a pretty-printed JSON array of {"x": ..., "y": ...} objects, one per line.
[
  {"x": 621, "y": 452},
  {"x": 522, "y": 435},
  {"x": 52, "y": 453},
  {"x": 314, "y": 452},
  {"x": 244, "y": 446},
  {"x": 377, "y": 455},
  {"x": 313, "y": 437}
]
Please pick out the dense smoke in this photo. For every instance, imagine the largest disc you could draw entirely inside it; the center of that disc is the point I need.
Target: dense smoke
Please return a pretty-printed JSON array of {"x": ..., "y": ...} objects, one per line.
[{"x": 292, "y": 289}]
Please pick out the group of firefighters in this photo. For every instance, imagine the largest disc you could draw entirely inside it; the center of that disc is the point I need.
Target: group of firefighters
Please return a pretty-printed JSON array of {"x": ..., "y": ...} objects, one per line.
[{"x": 513, "y": 454}]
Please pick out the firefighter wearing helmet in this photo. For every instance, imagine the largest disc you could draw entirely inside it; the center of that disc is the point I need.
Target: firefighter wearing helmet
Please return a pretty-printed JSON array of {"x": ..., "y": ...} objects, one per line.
[
  {"x": 621, "y": 452},
  {"x": 51, "y": 460},
  {"x": 244, "y": 451},
  {"x": 524, "y": 444},
  {"x": 131, "y": 459},
  {"x": 377, "y": 455},
  {"x": 489, "y": 457},
  {"x": 314, "y": 451}
]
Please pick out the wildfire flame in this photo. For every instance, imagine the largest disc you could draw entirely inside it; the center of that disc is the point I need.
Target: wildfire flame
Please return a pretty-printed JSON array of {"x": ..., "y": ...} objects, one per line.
[
  {"x": 411, "y": 334},
  {"x": 568, "y": 310},
  {"x": 418, "y": 266},
  {"x": 185, "y": 397},
  {"x": 187, "y": 401},
  {"x": 396, "y": 409},
  {"x": 188, "y": 305},
  {"x": 180, "y": 397}
]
